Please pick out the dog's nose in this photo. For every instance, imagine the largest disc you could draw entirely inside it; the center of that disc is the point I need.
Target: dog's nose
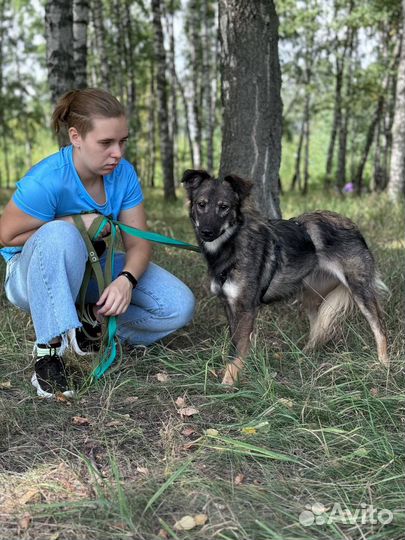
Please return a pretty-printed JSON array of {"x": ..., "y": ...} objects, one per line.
[{"x": 207, "y": 234}]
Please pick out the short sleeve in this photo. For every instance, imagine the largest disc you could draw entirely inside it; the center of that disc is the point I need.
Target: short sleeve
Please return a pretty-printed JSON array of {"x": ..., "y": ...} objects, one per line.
[
  {"x": 133, "y": 195},
  {"x": 35, "y": 197}
]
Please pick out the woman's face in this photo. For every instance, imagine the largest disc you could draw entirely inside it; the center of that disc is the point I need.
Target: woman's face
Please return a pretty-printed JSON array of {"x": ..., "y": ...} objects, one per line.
[{"x": 101, "y": 149}]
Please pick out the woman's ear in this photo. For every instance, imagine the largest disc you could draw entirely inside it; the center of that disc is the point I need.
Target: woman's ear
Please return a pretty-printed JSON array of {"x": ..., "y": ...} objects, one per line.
[{"x": 75, "y": 137}]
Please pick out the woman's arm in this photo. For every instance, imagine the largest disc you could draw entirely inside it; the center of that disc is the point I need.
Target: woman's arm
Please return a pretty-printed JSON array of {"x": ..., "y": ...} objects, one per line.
[
  {"x": 16, "y": 226},
  {"x": 117, "y": 296}
]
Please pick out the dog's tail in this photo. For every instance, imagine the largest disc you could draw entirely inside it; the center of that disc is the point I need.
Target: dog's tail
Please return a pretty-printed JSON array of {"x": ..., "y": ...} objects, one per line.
[{"x": 333, "y": 308}]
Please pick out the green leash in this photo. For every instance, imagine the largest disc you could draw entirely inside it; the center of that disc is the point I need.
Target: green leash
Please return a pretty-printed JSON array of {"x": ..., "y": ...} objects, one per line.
[{"x": 110, "y": 344}]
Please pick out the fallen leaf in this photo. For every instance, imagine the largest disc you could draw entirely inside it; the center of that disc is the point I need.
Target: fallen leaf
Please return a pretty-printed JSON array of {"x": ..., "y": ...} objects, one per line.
[
  {"x": 162, "y": 534},
  {"x": 188, "y": 431},
  {"x": 30, "y": 496},
  {"x": 114, "y": 423},
  {"x": 212, "y": 432},
  {"x": 80, "y": 421},
  {"x": 143, "y": 470},
  {"x": 286, "y": 402},
  {"x": 62, "y": 399},
  {"x": 200, "y": 519},
  {"x": 186, "y": 523},
  {"x": 192, "y": 445},
  {"x": 25, "y": 521},
  {"x": 162, "y": 377},
  {"x": 187, "y": 411},
  {"x": 239, "y": 478},
  {"x": 131, "y": 399},
  {"x": 4, "y": 385},
  {"x": 180, "y": 402},
  {"x": 374, "y": 392}
]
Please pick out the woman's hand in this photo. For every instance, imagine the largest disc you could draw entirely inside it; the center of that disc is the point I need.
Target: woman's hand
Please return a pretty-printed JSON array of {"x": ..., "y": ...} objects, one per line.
[{"x": 115, "y": 298}]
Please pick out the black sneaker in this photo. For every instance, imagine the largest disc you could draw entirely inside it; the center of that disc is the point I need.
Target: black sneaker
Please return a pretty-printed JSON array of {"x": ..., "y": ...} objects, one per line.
[
  {"x": 49, "y": 377},
  {"x": 87, "y": 340}
]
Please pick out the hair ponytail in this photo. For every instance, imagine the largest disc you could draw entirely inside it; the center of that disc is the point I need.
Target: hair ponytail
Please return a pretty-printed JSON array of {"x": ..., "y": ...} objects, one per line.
[
  {"x": 62, "y": 110},
  {"x": 77, "y": 108}
]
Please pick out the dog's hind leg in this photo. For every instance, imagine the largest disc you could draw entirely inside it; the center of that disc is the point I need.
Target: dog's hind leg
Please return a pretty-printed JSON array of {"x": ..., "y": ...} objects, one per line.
[{"x": 325, "y": 301}]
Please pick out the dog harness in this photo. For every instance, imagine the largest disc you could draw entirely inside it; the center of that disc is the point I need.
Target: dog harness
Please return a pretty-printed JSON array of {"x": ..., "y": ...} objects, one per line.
[{"x": 110, "y": 344}]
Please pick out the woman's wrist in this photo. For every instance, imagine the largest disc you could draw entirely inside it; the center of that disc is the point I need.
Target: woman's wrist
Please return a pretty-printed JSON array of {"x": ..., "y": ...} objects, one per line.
[{"x": 130, "y": 277}]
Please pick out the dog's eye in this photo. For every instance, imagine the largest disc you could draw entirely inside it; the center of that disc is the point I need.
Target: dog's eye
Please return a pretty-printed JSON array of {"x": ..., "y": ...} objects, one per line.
[
  {"x": 201, "y": 204},
  {"x": 224, "y": 207}
]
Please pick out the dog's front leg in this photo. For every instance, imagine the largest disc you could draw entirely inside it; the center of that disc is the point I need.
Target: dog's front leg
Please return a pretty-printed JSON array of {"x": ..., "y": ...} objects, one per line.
[{"x": 241, "y": 323}]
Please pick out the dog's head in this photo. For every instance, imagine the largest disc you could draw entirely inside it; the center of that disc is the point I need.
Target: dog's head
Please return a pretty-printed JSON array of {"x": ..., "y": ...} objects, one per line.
[{"x": 214, "y": 204}]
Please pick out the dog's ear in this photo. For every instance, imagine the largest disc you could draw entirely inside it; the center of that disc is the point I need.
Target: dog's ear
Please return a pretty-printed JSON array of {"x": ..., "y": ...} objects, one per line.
[
  {"x": 192, "y": 179},
  {"x": 239, "y": 185}
]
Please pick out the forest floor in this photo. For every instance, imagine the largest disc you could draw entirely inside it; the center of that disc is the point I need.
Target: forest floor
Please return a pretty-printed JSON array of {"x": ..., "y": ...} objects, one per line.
[{"x": 308, "y": 447}]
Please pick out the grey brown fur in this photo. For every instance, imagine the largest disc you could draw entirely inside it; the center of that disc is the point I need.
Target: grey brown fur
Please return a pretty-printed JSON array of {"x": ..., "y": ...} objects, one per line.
[{"x": 321, "y": 257}]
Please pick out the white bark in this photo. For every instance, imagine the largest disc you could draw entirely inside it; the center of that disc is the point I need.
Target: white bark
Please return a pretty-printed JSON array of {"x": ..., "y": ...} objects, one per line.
[{"x": 396, "y": 185}]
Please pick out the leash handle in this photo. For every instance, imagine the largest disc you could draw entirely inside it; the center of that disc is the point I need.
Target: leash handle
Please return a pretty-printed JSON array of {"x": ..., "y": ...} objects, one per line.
[{"x": 109, "y": 340}]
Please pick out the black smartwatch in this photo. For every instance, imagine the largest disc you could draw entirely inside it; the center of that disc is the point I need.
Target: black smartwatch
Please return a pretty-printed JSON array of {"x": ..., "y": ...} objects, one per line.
[{"x": 130, "y": 277}]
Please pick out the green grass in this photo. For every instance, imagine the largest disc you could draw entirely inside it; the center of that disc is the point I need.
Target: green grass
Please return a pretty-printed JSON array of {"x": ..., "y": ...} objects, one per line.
[{"x": 301, "y": 429}]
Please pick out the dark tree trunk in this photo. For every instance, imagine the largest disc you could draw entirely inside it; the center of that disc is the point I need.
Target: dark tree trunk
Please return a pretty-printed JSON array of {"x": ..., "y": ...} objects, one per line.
[
  {"x": 174, "y": 126},
  {"x": 130, "y": 65},
  {"x": 151, "y": 161},
  {"x": 187, "y": 120},
  {"x": 59, "y": 39},
  {"x": 80, "y": 24},
  {"x": 296, "y": 180},
  {"x": 358, "y": 180},
  {"x": 98, "y": 18},
  {"x": 337, "y": 117},
  {"x": 251, "y": 80},
  {"x": 306, "y": 139},
  {"x": 344, "y": 125},
  {"x": 196, "y": 68},
  {"x": 166, "y": 144}
]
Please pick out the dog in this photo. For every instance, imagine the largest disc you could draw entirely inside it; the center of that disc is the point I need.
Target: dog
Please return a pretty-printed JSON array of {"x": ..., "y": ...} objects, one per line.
[{"x": 320, "y": 257}]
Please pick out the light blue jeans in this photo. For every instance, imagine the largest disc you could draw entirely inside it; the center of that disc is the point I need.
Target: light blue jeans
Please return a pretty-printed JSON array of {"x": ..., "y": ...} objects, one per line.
[{"x": 45, "y": 279}]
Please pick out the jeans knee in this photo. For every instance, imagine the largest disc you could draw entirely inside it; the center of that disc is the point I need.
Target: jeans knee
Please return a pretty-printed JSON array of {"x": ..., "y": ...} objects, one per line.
[
  {"x": 62, "y": 237},
  {"x": 186, "y": 309}
]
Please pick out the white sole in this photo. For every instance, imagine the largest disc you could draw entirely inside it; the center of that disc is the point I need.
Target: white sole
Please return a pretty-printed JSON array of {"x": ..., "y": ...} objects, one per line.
[
  {"x": 47, "y": 395},
  {"x": 74, "y": 345}
]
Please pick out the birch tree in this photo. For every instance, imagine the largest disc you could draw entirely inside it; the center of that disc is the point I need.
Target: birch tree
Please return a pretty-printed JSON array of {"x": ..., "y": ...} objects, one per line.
[
  {"x": 166, "y": 143},
  {"x": 396, "y": 185},
  {"x": 251, "y": 81},
  {"x": 59, "y": 39},
  {"x": 80, "y": 23}
]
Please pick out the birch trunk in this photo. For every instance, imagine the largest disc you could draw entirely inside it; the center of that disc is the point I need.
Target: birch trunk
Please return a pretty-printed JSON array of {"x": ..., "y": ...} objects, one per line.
[
  {"x": 80, "y": 24},
  {"x": 59, "y": 39},
  {"x": 166, "y": 144},
  {"x": 396, "y": 185},
  {"x": 251, "y": 81}
]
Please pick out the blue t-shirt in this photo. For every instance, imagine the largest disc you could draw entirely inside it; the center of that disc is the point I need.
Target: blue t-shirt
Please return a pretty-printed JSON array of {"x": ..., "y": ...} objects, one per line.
[{"x": 53, "y": 189}]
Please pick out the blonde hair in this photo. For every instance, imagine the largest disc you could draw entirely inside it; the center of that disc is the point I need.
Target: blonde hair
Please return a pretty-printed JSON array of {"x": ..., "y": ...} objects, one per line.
[{"x": 77, "y": 108}]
